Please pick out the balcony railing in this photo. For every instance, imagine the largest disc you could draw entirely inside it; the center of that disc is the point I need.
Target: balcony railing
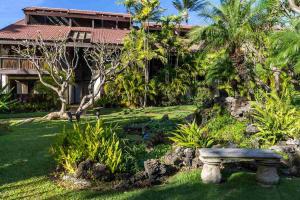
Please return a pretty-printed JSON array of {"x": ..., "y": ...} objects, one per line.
[{"x": 15, "y": 63}]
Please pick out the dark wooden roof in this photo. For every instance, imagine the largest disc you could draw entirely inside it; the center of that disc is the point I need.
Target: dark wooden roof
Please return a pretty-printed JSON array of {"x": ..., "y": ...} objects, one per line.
[
  {"x": 77, "y": 13},
  {"x": 21, "y": 31}
]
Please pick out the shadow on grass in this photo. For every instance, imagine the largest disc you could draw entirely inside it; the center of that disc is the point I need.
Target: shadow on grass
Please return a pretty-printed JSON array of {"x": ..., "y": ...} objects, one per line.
[
  {"x": 25, "y": 151},
  {"x": 239, "y": 186}
]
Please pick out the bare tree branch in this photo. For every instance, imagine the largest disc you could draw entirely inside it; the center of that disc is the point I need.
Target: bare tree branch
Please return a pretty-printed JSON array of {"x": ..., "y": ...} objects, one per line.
[
  {"x": 52, "y": 60},
  {"x": 104, "y": 62},
  {"x": 293, "y": 6}
]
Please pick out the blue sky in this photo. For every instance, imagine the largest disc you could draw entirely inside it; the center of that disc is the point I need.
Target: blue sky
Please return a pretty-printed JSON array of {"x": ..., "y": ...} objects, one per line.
[{"x": 11, "y": 10}]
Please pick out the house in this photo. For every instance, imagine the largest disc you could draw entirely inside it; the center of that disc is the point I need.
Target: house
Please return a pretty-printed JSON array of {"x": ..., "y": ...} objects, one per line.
[{"x": 88, "y": 27}]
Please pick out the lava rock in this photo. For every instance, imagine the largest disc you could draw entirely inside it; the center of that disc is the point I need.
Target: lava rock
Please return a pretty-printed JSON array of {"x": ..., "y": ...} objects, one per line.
[
  {"x": 123, "y": 185},
  {"x": 251, "y": 129},
  {"x": 197, "y": 163},
  {"x": 239, "y": 108},
  {"x": 83, "y": 183},
  {"x": 190, "y": 118},
  {"x": 83, "y": 169},
  {"x": 156, "y": 170},
  {"x": 290, "y": 165},
  {"x": 172, "y": 159},
  {"x": 293, "y": 142},
  {"x": 101, "y": 172},
  {"x": 189, "y": 154},
  {"x": 165, "y": 117}
]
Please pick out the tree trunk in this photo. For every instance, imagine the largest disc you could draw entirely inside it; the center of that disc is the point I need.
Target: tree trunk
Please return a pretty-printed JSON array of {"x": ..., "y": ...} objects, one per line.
[
  {"x": 276, "y": 73},
  {"x": 63, "y": 107},
  {"x": 293, "y": 6},
  {"x": 146, "y": 83},
  {"x": 62, "y": 114}
]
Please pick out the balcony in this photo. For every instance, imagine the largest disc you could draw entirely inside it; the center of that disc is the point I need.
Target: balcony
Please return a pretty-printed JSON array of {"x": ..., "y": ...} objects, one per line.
[{"x": 16, "y": 65}]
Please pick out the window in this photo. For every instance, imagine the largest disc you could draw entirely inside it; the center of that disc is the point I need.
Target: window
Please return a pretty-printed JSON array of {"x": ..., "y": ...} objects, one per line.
[{"x": 80, "y": 36}]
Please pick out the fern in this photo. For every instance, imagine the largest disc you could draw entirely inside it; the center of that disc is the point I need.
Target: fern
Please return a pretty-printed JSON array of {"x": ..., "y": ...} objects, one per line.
[{"x": 275, "y": 117}]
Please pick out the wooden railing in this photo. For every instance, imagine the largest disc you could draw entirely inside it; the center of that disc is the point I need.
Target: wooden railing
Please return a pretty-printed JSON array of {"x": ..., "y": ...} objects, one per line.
[{"x": 15, "y": 63}]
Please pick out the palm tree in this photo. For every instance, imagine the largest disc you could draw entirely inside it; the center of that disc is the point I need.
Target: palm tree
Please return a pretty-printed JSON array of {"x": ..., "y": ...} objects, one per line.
[
  {"x": 143, "y": 11},
  {"x": 239, "y": 27},
  {"x": 285, "y": 55},
  {"x": 186, "y": 6}
]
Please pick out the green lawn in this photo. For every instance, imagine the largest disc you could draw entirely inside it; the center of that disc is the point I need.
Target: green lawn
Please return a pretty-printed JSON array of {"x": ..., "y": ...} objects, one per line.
[{"x": 25, "y": 166}]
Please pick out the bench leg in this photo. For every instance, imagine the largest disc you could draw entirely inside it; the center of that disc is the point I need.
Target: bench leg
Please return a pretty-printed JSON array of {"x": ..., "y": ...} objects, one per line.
[
  {"x": 211, "y": 172},
  {"x": 267, "y": 173}
]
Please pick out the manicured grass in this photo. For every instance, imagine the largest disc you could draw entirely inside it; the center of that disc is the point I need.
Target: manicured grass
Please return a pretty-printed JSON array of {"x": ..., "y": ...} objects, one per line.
[{"x": 25, "y": 166}]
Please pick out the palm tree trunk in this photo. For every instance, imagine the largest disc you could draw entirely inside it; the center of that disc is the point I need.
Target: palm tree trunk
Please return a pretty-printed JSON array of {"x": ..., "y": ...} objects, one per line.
[{"x": 146, "y": 47}]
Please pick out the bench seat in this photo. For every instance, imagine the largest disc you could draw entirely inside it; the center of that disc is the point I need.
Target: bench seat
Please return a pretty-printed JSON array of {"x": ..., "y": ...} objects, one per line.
[{"x": 238, "y": 153}]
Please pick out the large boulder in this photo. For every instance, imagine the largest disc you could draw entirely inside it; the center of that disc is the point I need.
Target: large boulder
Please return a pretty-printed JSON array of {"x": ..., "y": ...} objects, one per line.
[
  {"x": 101, "y": 172},
  {"x": 290, "y": 164},
  {"x": 83, "y": 169},
  {"x": 189, "y": 155},
  {"x": 156, "y": 171},
  {"x": 183, "y": 157},
  {"x": 238, "y": 107}
]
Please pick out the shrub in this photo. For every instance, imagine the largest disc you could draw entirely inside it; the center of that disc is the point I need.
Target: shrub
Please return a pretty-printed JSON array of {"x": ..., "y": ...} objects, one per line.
[
  {"x": 136, "y": 155},
  {"x": 97, "y": 143},
  {"x": 275, "y": 117},
  {"x": 192, "y": 136},
  {"x": 5, "y": 97},
  {"x": 225, "y": 128}
]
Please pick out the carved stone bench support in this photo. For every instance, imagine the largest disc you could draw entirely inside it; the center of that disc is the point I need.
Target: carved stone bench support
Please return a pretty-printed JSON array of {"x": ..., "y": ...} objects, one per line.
[
  {"x": 267, "y": 172},
  {"x": 211, "y": 172}
]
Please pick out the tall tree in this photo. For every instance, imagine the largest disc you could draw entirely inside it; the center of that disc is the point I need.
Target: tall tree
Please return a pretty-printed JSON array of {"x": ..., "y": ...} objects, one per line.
[
  {"x": 144, "y": 11},
  {"x": 58, "y": 60},
  {"x": 184, "y": 7},
  {"x": 239, "y": 28},
  {"x": 104, "y": 62}
]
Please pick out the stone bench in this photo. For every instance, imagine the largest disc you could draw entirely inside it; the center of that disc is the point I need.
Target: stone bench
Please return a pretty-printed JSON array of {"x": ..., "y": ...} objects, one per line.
[{"x": 266, "y": 160}]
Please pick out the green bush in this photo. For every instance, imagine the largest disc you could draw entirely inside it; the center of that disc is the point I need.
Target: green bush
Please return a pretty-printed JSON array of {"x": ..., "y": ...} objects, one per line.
[
  {"x": 136, "y": 155},
  {"x": 192, "y": 136},
  {"x": 225, "y": 129},
  {"x": 276, "y": 117},
  {"x": 32, "y": 107},
  {"x": 97, "y": 143},
  {"x": 5, "y": 98}
]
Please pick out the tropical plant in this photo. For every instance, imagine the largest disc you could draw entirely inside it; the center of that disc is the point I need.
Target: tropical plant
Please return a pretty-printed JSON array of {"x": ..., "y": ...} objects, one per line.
[
  {"x": 275, "y": 116},
  {"x": 226, "y": 129},
  {"x": 143, "y": 11},
  {"x": 96, "y": 143},
  {"x": 239, "y": 28},
  {"x": 285, "y": 46},
  {"x": 5, "y": 98},
  {"x": 136, "y": 58},
  {"x": 191, "y": 136},
  {"x": 186, "y": 6},
  {"x": 130, "y": 87}
]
